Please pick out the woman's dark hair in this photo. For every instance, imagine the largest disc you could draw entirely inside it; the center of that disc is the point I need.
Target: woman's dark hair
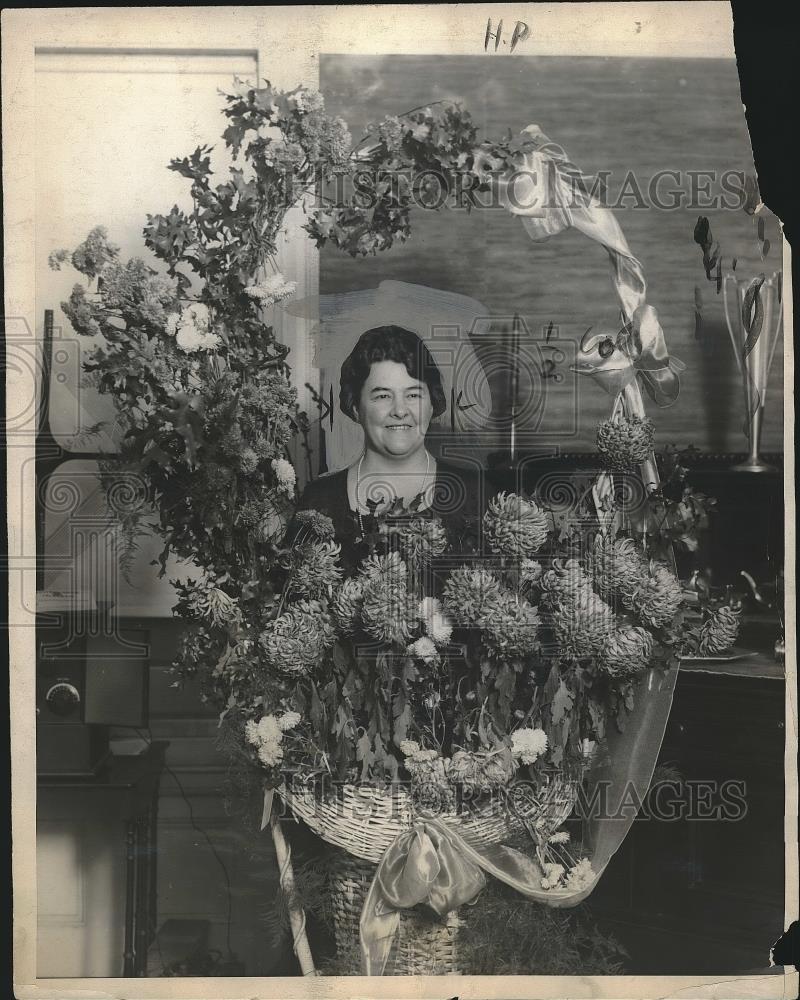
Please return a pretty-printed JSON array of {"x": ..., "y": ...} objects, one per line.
[{"x": 389, "y": 343}]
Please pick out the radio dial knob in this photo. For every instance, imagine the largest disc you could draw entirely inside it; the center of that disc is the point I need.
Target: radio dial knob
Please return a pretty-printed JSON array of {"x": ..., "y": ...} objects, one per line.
[{"x": 62, "y": 698}]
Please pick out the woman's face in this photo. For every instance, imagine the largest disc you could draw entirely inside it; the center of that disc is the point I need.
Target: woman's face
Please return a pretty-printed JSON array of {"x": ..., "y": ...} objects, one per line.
[{"x": 394, "y": 410}]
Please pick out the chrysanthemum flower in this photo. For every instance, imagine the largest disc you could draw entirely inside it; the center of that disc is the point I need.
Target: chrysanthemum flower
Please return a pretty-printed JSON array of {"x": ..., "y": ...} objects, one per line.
[
  {"x": 470, "y": 594},
  {"x": 552, "y": 875},
  {"x": 288, "y": 721},
  {"x": 580, "y": 618},
  {"x": 347, "y": 603},
  {"x": 191, "y": 341},
  {"x": 272, "y": 289},
  {"x": 285, "y": 474},
  {"x": 719, "y": 633},
  {"x": 425, "y": 649},
  {"x": 626, "y": 651},
  {"x": 428, "y": 607},
  {"x": 207, "y": 601},
  {"x": 439, "y": 628},
  {"x": 625, "y": 442},
  {"x": 429, "y": 777},
  {"x": 657, "y": 596},
  {"x": 296, "y": 641},
  {"x": 530, "y": 572},
  {"x": 481, "y": 771},
  {"x": 320, "y": 524},
  {"x": 388, "y": 610},
  {"x": 266, "y": 736},
  {"x": 315, "y": 569},
  {"x": 389, "y": 566},
  {"x": 421, "y": 539},
  {"x": 618, "y": 566},
  {"x": 512, "y": 626},
  {"x": 515, "y": 526},
  {"x": 580, "y": 876},
  {"x": 528, "y": 745}
]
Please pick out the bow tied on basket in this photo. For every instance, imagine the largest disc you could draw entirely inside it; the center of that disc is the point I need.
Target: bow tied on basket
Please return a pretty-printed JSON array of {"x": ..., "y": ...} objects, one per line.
[{"x": 433, "y": 865}]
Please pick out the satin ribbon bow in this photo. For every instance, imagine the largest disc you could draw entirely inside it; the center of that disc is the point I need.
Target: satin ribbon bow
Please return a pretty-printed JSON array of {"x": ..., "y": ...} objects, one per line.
[
  {"x": 639, "y": 351},
  {"x": 551, "y": 195},
  {"x": 435, "y": 866}
]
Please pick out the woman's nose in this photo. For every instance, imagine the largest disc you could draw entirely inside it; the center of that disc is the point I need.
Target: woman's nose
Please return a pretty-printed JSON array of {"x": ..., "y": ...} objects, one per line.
[{"x": 399, "y": 407}]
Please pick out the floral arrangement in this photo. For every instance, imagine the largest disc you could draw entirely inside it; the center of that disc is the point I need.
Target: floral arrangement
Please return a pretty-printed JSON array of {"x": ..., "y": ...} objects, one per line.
[{"x": 458, "y": 673}]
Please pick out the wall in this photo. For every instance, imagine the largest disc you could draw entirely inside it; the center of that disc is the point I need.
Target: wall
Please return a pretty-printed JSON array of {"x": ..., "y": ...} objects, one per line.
[{"x": 609, "y": 114}]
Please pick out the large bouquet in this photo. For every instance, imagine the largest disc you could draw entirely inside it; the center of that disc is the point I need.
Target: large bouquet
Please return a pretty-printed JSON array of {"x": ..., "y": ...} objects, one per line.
[{"x": 464, "y": 675}]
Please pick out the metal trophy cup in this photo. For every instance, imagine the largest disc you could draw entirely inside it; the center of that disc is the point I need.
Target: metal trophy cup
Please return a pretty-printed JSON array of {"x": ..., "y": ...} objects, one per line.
[{"x": 754, "y": 315}]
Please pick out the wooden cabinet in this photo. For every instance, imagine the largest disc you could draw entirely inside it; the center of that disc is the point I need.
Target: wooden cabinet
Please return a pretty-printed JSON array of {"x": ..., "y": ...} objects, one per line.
[{"x": 703, "y": 893}]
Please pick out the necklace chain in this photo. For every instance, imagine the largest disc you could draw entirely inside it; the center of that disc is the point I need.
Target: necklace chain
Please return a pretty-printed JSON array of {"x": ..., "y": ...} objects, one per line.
[{"x": 358, "y": 484}]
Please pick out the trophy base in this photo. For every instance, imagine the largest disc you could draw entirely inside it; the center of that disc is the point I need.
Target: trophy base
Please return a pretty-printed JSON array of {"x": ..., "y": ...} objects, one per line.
[{"x": 753, "y": 465}]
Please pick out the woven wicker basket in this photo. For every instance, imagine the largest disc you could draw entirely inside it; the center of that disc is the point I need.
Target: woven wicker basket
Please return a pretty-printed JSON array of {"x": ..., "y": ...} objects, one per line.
[
  {"x": 363, "y": 821},
  {"x": 423, "y": 946}
]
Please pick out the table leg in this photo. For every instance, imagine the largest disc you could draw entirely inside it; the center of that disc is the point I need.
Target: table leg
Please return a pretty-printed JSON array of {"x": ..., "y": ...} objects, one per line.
[
  {"x": 141, "y": 908},
  {"x": 152, "y": 888},
  {"x": 130, "y": 888}
]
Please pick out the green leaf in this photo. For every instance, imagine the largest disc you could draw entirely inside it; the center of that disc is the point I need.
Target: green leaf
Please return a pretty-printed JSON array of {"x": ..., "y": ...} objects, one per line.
[
  {"x": 317, "y": 710},
  {"x": 562, "y": 704}
]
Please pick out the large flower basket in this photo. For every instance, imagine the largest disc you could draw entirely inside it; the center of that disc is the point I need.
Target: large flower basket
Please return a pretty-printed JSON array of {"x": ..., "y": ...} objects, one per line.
[{"x": 362, "y": 822}]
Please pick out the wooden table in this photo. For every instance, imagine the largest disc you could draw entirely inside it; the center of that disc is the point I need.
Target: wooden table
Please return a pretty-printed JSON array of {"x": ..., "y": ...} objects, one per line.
[{"x": 699, "y": 894}]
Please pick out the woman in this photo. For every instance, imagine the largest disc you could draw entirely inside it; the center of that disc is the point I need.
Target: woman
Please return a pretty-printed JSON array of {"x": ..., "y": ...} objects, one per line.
[{"x": 391, "y": 385}]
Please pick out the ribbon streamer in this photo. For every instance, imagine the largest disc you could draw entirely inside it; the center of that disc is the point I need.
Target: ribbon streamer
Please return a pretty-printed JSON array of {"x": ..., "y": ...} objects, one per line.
[{"x": 565, "y": 204}]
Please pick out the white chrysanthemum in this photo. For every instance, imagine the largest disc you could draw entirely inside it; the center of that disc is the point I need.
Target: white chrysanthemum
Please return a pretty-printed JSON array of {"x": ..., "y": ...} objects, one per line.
[
  {"x": 309, "y": 100},
  {"x": 580, "y": 875},
  {"x": 409, "y": 747},
  {"x": 196, "y": 315},
  {"x": 172, "y": 323},
  {"x": 273, "y": 289},
  {"x": 268, "y": 729},
  {"x": 528, "y": 744},
  {"x": 288, "y": 721},
  {"x": 270, "y": 754},
  {"x": 428, "y": 607},
  {"x": 251, "y": 732},
  {"x": 439, "y": 628},
  {"x": 285, "y": 474},
  {"x": 552, "y": 876},
  {"x": 562, "y": 837},
  {"x": 222, "y": 609},
  {"x": 425, "y": 649},
  {"x": 190, "y": 340}
]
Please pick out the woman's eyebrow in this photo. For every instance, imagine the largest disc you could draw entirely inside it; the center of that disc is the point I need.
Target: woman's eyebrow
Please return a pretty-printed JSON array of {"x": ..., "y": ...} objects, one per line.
[{"x": 383, "y": 388}]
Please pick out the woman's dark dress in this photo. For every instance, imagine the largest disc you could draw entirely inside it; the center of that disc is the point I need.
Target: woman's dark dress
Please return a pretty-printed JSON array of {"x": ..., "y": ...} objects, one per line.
[{"x": 458, "y": 501}]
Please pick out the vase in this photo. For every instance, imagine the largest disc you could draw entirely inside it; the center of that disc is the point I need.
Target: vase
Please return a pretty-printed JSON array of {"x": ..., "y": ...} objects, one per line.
[{"x": 755, "y": 317}]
